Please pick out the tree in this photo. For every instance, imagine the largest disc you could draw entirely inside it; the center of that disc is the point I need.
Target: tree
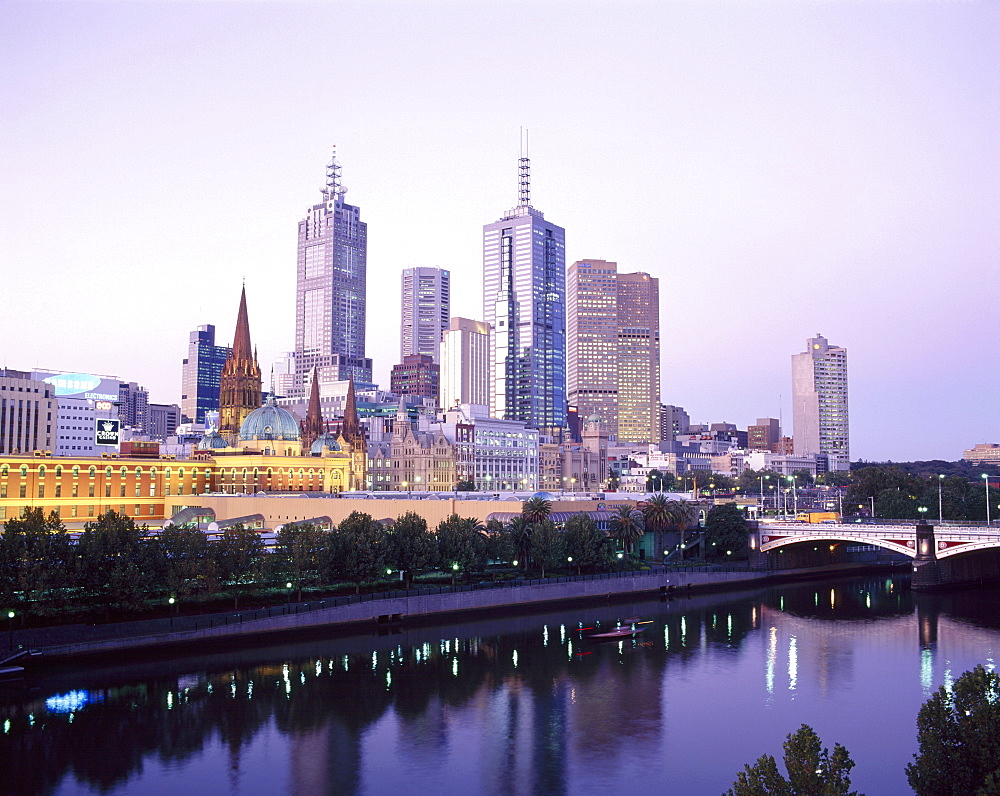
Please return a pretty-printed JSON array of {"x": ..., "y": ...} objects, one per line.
[
  {"x": 356, "y": 550},
  {"x": 519, "y": 534},
  {"x": 186, "y": 562},
  {"x": 726, "y": 530},
  {"x": 803, "y": 477},
  {"x": 585, "y": 542},
  {"x": 36, "y": 555},
  {"x": 299, "y": 554},
  {"x": 499, "y": 546},
  {"x": 656, "y": 513},
  {"x": 113, "y": 563},
  {"x": 683, "y": 515},
  {"x": 812, "y": 770},
  {"x": 958, "y": 732},
  {"x": 465, "y": 486},
  {"x": 461, "y": 545},
  {"x": 548, "y": 547},
  {"x": 239, "y": 558},
  {"x": 627, "y": 526},
  {"x": 536, "y": 509},
  {"x": 410, "y": 546}
]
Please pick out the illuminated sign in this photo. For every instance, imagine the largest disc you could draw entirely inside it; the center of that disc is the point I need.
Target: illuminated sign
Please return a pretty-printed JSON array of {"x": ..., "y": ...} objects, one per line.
[
  {"x": 103, "y": 406},
  {"x": 81, "y": 385},
  {"x": 107, "y": 432}
]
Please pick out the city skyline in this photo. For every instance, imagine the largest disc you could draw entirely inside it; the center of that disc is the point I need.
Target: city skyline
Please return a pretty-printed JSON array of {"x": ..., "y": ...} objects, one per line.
[{"x": 779, "y": 169}]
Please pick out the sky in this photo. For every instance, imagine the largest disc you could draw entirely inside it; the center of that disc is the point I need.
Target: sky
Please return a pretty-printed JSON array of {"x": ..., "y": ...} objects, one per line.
[{"x": 784, "y": 169}]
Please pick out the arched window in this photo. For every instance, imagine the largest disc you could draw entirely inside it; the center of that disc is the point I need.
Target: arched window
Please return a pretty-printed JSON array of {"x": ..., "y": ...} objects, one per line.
[
  {"x": 24, "y": 470},
  {"x": 76, "y": 471},
  {"x": 107, "y": 472},
  {"x": 41, "y": 471},
  {"x": 58, "y": 471},
  {"x": 124, "y": 472},
  {"x": 180, "y": 473},
  {"x": 3, "y": 471},
  {"x": 168, "y": 472},
  {"x": 92, "y": 471},
  {"x": 138, "y": 471},
  {"x": 152, "y": 472}
]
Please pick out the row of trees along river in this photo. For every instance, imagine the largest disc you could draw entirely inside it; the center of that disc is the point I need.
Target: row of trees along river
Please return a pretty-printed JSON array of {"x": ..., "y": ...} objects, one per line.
[{"x": 116, "y": 568}]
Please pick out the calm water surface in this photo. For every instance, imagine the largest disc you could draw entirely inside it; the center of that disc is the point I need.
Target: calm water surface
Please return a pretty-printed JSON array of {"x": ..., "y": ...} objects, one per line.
[{"x": 517, "y": 705}]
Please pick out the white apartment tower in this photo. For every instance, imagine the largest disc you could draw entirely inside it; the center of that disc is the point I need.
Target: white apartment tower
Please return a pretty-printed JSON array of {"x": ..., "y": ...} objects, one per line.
[
  {"x": 426, "y": 309},
  {"x": 819, "y": 402},
  {"x": 465, "y": 364}
]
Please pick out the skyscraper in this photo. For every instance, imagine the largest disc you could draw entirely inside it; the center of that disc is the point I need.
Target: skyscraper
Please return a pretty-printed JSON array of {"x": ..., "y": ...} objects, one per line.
[
  {"x": 200, "y": 373},
  {"x": 613, "y": 349},
  {"x": 465, "y": 364},
  {"x": 819, "y": 402},
  {"x": 426, "y": 308},
  {"x": 524, "y": 303},
  {"x": 592, "y": 341},
  {"x": 330, "y": 295},
  {"x": 638, "y": 358}
]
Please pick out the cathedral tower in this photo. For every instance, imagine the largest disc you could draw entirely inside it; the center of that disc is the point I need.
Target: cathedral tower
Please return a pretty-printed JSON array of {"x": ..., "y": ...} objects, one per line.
[{"x": 239, "y": 385}]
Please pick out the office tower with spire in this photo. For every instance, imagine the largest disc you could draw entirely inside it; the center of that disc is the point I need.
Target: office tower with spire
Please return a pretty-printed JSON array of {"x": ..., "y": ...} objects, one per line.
[
  {"x": 425, "y": 311},
  {"x": 524, "y": 304},
  {"x": 239, "y": 383},
  {"x": 330, "y": 295},
  {"x": 819, "y": 402}
]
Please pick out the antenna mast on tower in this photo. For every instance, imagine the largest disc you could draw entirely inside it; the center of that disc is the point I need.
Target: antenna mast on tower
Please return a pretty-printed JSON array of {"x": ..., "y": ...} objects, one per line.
[
  {"x": 524, "y": 173},
  {"x": 334, "y": 188}
]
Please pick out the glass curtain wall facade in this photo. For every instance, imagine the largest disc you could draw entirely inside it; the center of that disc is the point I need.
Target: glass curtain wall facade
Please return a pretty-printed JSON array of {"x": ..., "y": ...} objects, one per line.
[
  {"x": 524, "y": 304},
  {"x": 331, "y": 285},
  {"x": 638, "y": 319},
  {"x": 425, "y": 311},
  {"x": 200, "y": 373}
]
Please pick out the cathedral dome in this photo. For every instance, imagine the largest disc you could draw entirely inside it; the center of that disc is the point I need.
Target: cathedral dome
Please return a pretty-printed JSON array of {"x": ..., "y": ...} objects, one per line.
[
  {"x": 212, "y": 441},
  {"x": 325, "y": 440},
  {"x": 270, "y": 422}
]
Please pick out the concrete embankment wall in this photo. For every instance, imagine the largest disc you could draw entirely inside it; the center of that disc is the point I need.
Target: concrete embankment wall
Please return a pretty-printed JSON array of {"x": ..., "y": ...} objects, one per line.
[{"x": 368, "y": 612}]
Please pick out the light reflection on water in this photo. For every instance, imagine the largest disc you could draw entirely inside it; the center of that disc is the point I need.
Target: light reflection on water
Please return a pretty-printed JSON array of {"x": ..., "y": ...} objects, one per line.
[{"x": 511, "y": 706}]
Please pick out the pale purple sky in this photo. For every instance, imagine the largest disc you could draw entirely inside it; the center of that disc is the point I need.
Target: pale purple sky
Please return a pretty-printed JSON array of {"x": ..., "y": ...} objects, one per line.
[{"x": 784, "y": 168}]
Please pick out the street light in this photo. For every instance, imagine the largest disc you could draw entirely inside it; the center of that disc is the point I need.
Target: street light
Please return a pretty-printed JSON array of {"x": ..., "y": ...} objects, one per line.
[
  {"x": 940, "y": 502},
  {"x": 10, "y": 629},
  {"x": 288, "y": 585},
  {"x": 923, "y": 513},
  {"x": 170, "y": 601},
  {"x": 987, "y": 478}
]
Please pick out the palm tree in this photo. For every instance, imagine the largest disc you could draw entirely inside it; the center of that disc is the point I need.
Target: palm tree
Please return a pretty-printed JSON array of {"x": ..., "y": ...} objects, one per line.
[
  {"x": 683, "y": 515},
  {"x": 520, "y": 535},
  {"x": 627, "y": 526},
  {"x": 657, "y": 512},
  {"x": 536, "y": 509}
]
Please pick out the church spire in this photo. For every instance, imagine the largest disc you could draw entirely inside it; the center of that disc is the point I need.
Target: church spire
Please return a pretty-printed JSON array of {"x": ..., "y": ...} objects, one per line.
[
  {"x": 241, "y": 340},
  {"x": 351, "y": 428},
  {"x": 313, "y": 426}
]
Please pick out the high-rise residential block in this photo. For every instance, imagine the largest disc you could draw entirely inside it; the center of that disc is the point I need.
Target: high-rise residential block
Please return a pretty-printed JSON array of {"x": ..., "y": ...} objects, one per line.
[
  {"x": 425, "y": 311},
  {"x": 524, "y": 303},
  {"x": 465, "y": 364},
  {"x": 330, "y": 295},
  {"x": 613, "y": 349},
  {"x": 200, "y": 373},
  {"x": 819, "y": 402}
]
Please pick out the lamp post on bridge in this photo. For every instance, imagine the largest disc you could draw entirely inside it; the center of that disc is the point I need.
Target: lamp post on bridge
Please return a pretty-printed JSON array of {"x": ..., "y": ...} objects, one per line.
[
  {"x": 940, "y": 500},
  {"x": 987, "y": 478}
]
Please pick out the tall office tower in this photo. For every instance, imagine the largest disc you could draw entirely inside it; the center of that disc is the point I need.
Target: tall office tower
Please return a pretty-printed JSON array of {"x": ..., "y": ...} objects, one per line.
[
  {"x": 673, "y": 421},
  {"x": 613, "y": 349},
  {"x": 27, "y": 413},
  {"x": 133, "y": 406},
  {"x": 819, "y": 402},
  {"x": 200, "y": 373},
  {"x": 239, "y": 384},
  {"x": 330, "y": 295},
  {"x": 638, "y": 358},
  {"x": 592, "y": 341},
  {"x": 465, "y": 364},
  {"x": 426, "y": 308},
  {"x": 524, "y": 303}
]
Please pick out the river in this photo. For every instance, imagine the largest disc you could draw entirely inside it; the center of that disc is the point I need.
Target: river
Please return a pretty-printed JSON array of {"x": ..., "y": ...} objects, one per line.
[{"x": 515, "y": 705}]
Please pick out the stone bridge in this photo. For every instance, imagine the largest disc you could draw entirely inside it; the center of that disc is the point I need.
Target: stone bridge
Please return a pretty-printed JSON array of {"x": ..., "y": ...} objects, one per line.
[{"x": 941, "y": 554}]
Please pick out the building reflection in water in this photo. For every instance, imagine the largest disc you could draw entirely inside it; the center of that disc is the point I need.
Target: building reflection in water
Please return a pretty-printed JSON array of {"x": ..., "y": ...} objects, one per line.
[{"x": 524, "y": 705}]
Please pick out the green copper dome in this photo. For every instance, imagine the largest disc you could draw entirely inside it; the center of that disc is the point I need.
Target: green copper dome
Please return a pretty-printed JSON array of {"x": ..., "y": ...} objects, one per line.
[
  {"x": 211, "y": 441},
  {"x": 324, "y": 440},
  {"x": 270, "y": 422}
]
